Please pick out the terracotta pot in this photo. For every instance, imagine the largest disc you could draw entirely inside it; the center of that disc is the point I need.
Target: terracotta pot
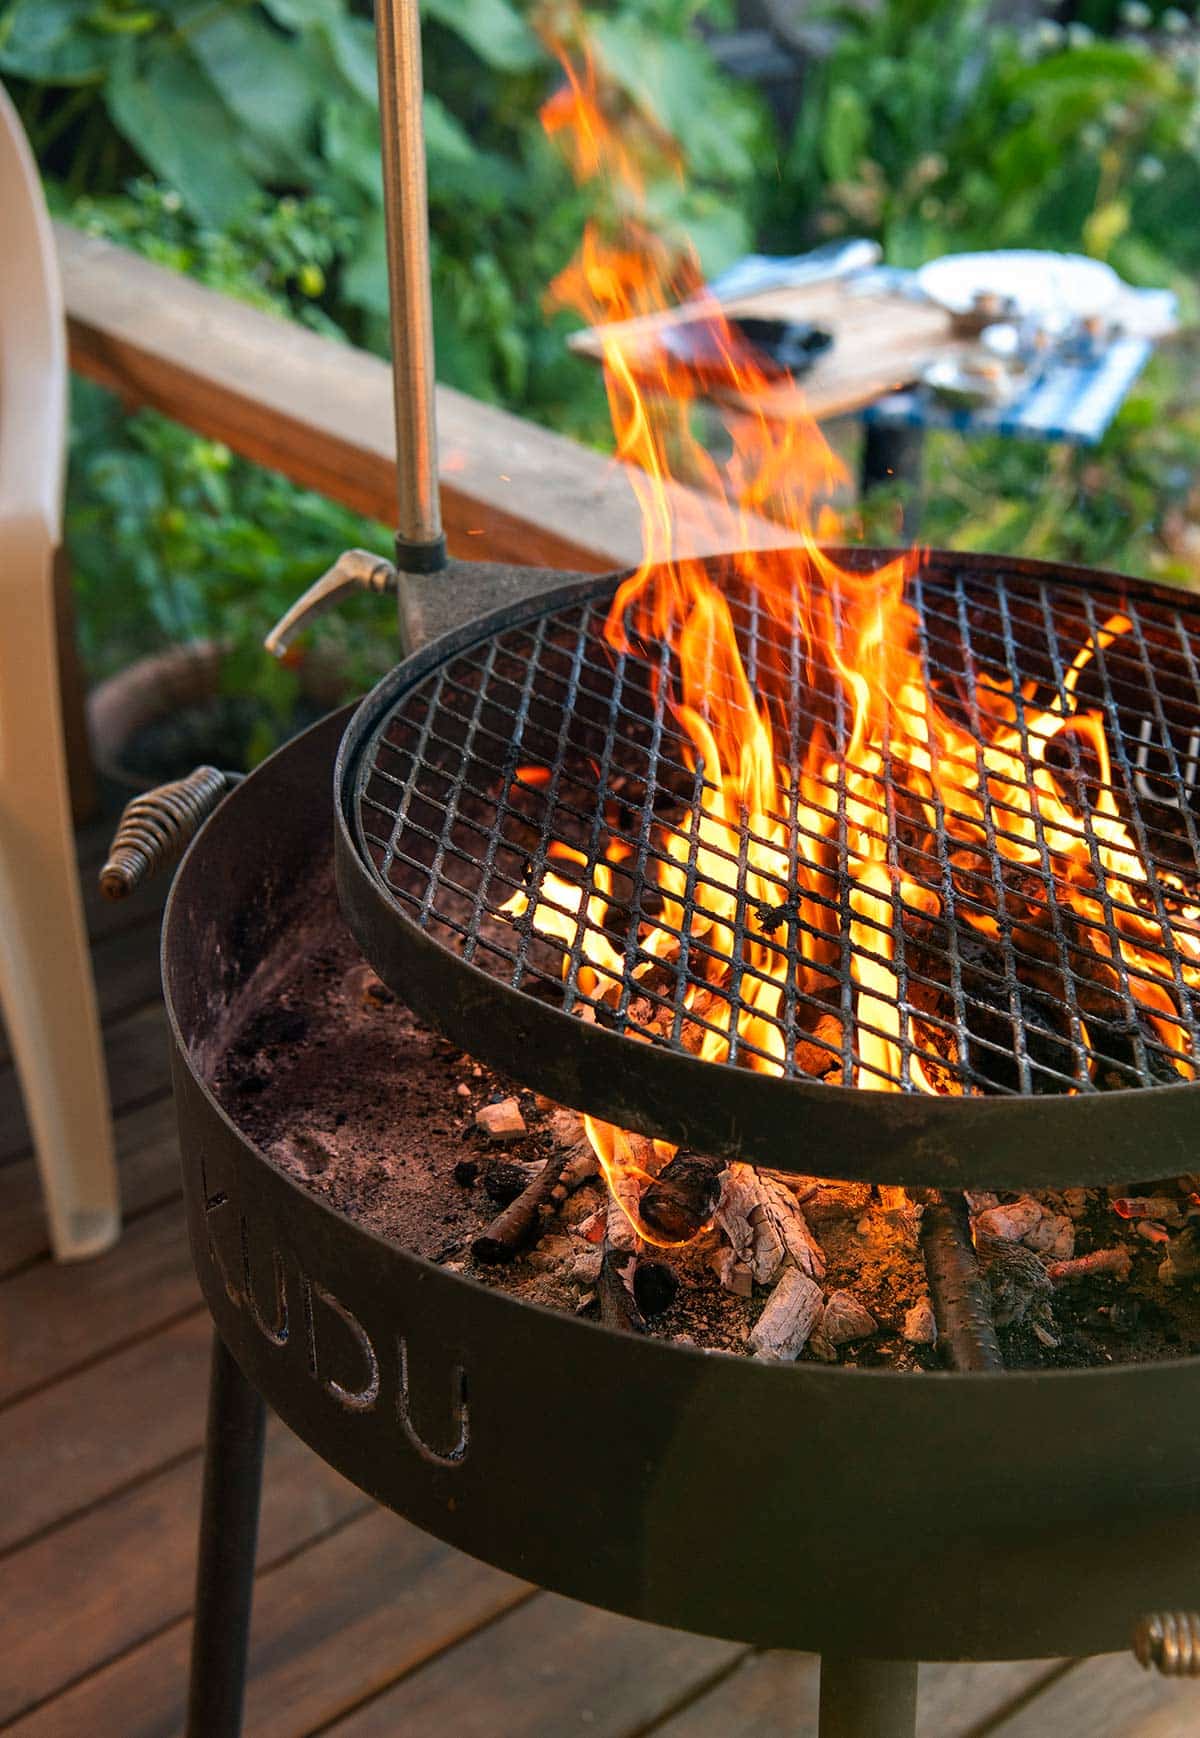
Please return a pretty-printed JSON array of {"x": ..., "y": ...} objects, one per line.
[{"x": 161, "y": 682}]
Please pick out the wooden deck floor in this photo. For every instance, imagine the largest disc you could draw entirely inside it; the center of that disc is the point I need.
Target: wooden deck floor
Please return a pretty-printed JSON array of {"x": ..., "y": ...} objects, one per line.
[{"x": 362, "y": 1625}]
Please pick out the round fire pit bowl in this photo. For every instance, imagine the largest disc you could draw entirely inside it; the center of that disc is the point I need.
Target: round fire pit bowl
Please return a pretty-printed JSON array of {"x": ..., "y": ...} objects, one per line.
[{"x": 871, "y": 1513}]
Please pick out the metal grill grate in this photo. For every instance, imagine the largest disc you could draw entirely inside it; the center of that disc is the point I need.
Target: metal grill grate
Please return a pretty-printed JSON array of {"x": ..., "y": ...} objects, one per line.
[{"x": 454, "y": 824}]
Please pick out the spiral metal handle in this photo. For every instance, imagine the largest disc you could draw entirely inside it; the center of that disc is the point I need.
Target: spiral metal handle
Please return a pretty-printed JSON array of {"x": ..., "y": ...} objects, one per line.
[
  {"x": 157, "y": 827},
  {"x": 1169, "y": 1641}
]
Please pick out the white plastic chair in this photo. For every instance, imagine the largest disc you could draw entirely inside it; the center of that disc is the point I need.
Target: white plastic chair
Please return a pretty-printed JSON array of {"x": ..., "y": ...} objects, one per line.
[{"x": 46, "y": 991}]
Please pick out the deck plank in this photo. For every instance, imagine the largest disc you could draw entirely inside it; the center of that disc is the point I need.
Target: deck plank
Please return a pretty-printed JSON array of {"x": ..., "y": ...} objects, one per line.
[
  {"x": 552, "y": 1666},
  {"x": 100, "y": 1584},
  {"x": 331, "y": 1627},
  {"x": 135, "y": 1051},
  {"x": 77, "y": 1442},
  {"x": 1110, "y": 1697},
  {"x": 774, "y": 1695},
  {"x": 126, "y": 972},
  {"x": 148, "y": 1162},
  {"x": 54, "y": 1319}
]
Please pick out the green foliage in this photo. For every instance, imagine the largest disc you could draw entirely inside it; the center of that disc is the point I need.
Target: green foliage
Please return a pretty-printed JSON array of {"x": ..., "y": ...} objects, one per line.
[
  {"x": 174, "y": 538},
  {"x": 223, "y": 101},
  {"x": 935, "y": 131}
]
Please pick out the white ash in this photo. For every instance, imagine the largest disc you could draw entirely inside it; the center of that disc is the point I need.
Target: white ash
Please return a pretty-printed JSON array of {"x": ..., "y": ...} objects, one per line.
[
  {"x": 792, "y": 1312},
  {"x": 310, "y": 1151},
  {"x": 846, "y": 1319},
  {"x": 1053, "y": 1237},
  {"x": 979, "y": 1200},
  {"x": 733, "y": 1274},
  {"x": 920, "y": 1327},
  {"x": 1013, "y": 1222},
  {"x": 586, "y": 1263},
  {"x": 551, "y": 1252},
  {"x": 621, "y": 1211},
  {"x": 1183, "y": 1262},
  {"x": 765, "y": 1225}
]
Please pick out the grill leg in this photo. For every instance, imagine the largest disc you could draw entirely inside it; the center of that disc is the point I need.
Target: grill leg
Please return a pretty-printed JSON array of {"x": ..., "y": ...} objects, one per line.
[
  {"x": 868, "y": 1698},
  {"x": 228, "y": 1531},
  {"x": 894, "y": 454}
]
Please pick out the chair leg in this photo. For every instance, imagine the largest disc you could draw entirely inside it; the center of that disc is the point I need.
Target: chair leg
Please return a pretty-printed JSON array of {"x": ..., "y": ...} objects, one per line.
[
  {"x": 225, "y": 1565},
  {"x": 46, "y": 989}
]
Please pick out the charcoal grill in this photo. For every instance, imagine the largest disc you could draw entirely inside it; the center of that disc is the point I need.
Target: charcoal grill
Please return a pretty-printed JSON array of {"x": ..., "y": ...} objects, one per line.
[
  {"x": 898, "y": 1517},
  {"x": 952, "y": 1515}
]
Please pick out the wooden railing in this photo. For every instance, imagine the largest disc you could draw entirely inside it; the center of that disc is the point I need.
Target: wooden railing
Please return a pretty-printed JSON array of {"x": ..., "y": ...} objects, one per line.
[{"x": 321, "y": 412}]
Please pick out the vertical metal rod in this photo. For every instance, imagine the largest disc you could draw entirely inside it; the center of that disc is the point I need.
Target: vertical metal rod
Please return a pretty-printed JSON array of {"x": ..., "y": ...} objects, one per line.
[
  {"x": 420, "y": 544},
  {"x": 233, "y": 1457},
  {"x": 868, "y": 1698}
]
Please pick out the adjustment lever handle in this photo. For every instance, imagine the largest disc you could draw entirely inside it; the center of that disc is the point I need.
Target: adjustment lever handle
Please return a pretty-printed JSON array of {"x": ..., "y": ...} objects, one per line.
[
  {"x": 355, "y": 570},
  {"x": 157, "y": 827}
]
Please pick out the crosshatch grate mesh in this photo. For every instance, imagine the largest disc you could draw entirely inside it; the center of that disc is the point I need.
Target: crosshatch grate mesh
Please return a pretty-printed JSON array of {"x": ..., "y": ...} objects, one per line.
[{"x": 454, "y": 823}]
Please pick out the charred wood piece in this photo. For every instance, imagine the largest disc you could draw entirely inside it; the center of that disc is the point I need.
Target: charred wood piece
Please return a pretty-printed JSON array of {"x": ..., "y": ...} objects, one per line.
[
  {"x": 511, "y": 1230},
  {"x": 681, "y": 1200},
  {"x": 961, "y": 1308},
  {"x": 1017, "y": 1284},
  {"x": 1113, "y": 1263},
  {"x": 618, "y": 1300},
  {"x": 655, "y": 1287},
  {"x": 505, "y": 1179}
]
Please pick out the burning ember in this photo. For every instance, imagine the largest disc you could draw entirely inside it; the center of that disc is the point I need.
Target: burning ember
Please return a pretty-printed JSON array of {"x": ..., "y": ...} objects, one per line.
[{"x": 751, "y": 882}]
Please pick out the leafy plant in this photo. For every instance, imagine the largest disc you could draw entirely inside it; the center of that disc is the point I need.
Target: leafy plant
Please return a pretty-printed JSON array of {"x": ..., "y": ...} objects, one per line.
[
  {"x": 224, "y": 100},
  {"x": 935, "y": 132}
]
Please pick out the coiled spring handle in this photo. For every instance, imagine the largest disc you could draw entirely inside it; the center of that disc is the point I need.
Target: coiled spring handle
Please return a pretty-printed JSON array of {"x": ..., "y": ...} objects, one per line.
[{"x": 158, "y": 826}]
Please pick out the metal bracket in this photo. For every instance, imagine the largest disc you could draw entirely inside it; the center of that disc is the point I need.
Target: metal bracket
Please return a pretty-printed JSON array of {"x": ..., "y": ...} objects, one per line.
[{"x": 355, "y": 570}]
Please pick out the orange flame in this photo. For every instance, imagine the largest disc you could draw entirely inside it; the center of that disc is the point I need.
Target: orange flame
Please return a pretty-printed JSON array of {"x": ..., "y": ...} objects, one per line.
[{"x": 857, "y": 637}]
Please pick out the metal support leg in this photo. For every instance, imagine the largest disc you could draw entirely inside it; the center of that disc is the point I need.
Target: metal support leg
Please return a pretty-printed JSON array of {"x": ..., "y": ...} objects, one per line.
[
  {"x": 868, "y": 1698},
  {"x": 228, "y": 1531},
  {"x": 894, "y": 453}
]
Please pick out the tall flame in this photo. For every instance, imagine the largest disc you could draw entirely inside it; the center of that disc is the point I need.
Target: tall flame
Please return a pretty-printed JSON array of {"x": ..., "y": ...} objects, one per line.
[{"x": 856, "y": 637}]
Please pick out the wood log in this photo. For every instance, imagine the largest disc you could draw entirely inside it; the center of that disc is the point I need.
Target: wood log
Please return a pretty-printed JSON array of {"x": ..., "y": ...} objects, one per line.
[
  {"x": 618, "y": 1303},
  {"x": 765, "y": 1225},
  {"x": 681, "y": 1200},
  {"x": 791, "y": 1313},
  {"x": 511, "y": 1230},
  {"x": 961, "y": 1306},
  {"x": 624, "y": 1205}
]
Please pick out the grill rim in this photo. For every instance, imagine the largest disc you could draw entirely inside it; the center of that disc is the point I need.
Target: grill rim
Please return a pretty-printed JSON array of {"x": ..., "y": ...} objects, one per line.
[{"x": 1009, "y": 1142}]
